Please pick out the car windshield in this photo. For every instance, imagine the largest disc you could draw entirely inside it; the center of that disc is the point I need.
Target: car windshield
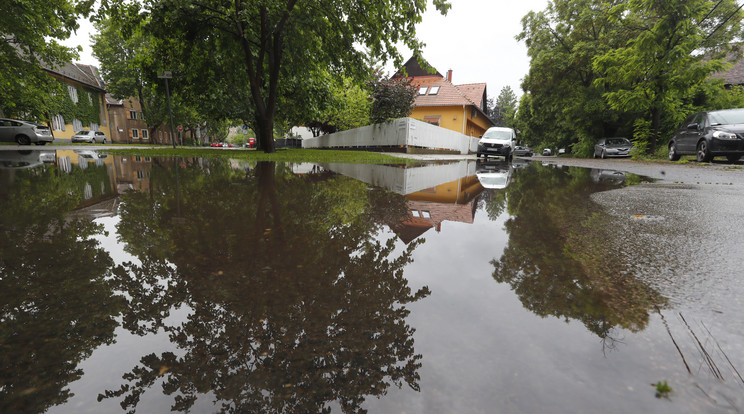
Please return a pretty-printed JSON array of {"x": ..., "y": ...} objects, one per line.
[
  {"x": 727, "y": 117},
  {"x": 498, "y": 134},
  {"x": 617, "y": 141}
]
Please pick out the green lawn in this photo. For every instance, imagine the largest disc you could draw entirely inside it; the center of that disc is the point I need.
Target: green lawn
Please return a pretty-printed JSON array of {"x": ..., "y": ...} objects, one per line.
[{"x": 282, "y": 155}]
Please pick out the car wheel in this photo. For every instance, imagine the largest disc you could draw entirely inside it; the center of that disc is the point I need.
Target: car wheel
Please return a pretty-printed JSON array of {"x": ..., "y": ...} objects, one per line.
[
  {"x": 733, "y": 158},
  {"x": 23, "y": 140},
  {"x": 673, "y": 155},
  {"x": 603, "y": 154},
  {"x": 703, "y": 154},
  {"x": 104, "y": 141}
]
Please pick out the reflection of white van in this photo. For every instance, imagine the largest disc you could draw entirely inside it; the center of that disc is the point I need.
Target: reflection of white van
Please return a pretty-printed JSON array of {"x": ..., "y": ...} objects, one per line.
[
  {"x": 493, "y": 174},
  {"x": 497, "y": 141}
]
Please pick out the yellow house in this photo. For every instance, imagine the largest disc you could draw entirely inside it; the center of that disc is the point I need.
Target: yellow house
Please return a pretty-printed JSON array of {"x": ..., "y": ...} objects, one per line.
[
  {"x": 86, "y": 106},
  {"x": 460, "y": 108}
]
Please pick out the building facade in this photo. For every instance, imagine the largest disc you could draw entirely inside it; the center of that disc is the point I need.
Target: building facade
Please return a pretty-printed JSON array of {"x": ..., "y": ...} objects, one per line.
[
  {"x": 82, "y": 105},
  {"x": 460, "y": 108}
]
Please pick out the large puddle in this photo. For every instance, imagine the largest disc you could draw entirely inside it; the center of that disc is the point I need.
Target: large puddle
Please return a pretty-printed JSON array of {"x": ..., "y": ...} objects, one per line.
[{"x": 193, "y": 285}]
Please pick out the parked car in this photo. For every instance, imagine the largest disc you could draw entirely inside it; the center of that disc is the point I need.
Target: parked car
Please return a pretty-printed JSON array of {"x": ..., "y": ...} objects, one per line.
[
  {"x": 92, "y": 137},
  {"x": 523, "y": 151},
  {"x": 612, "y": 147},
  {"x": 497, "y": 141},
  {"x": 710, "y": 134},
  {"x": 547, "y": 152},
  {"x": 562, "y": 151},
  {"x": 24, "y": 132},
  {"x": 228, "y": 145},
  {"x": 216, "y": 144}
]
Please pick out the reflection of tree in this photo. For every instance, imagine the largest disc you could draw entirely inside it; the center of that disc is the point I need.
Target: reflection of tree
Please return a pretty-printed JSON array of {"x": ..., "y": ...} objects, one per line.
[
  {"x": 56, "y": 305},
  {"x": 558, "y": 259},
  {"x": 293, "y": 304}
]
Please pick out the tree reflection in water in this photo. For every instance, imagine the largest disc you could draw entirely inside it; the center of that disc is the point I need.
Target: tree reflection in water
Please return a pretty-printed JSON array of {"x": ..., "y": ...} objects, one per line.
[
  {"x": 560, "y": 260},
  {"x": 56, "y": 302},
  {"x": 293, "y": 304}
]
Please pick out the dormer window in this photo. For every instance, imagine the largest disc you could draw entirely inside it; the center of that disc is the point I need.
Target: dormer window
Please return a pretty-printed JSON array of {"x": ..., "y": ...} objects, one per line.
[
  {"x": 422, "y": 90},
  {"x": 434, "y": 90}
]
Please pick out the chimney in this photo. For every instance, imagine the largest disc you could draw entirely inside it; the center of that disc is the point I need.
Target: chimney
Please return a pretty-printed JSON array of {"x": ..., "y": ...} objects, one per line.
[{"x": 449, "y": 75}]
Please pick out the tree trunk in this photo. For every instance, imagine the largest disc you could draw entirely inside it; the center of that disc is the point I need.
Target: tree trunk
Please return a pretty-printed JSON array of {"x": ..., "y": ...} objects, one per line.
[
  {"x": 655, "y": 129},
  {"x": 265, "y": 133}
]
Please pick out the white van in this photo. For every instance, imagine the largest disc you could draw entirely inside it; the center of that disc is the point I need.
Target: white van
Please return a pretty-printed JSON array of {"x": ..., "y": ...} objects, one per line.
[{"x": 498, "y": 141}]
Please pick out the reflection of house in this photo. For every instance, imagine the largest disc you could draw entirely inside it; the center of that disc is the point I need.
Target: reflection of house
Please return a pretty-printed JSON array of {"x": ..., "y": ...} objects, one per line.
[
  {"x": 132, "y": 173},
  {"x": 460, "y": 108},
  {"x": 452, "y": 201},
  {"x": 86, "y": 100},
  {"x": 433, "y": 196}
]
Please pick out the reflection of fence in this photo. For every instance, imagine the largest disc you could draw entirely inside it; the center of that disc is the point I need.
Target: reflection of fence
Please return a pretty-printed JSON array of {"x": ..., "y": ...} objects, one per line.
[
  {"x": 288, "y": 143},
  {"x": 403, "y": 133}
]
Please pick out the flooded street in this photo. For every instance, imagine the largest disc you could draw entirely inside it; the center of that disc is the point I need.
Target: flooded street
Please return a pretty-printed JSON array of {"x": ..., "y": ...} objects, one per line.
[{"x": 213, "y": 285}]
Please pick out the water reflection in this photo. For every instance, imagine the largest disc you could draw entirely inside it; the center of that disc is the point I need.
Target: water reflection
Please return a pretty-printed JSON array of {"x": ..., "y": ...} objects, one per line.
[
  {"x": 57, "y": 302},
  {"x": 295, "y": 301},
  {"x": 559, "y": 259}
]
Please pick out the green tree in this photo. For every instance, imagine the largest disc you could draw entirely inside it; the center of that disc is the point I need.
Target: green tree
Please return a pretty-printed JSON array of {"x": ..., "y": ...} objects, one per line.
[
  {"x": 504, "y": 109},
  {"x": 663, "y": 61},
  {"x": 270, "y": 53},
  {"x": 29, "y": 35}
]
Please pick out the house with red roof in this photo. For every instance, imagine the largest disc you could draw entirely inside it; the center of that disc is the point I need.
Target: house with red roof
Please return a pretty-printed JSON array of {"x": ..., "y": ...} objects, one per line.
[{"x": 460, "y": 108}]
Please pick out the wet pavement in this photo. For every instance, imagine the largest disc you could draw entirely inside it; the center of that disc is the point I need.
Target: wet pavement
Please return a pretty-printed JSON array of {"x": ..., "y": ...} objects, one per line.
[{"x": 546, "y": 285}]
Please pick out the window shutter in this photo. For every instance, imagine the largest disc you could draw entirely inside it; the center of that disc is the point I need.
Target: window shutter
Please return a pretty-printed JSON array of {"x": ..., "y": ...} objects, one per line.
[{"x": 130, "y": 134}]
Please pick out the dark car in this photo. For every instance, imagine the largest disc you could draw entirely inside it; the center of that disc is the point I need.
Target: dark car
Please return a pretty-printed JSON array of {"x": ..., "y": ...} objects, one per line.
[
  {"x": 523, "y": 151},
  {"x": 612, "y": 147},
  {"x": 24, "y": 132},
  {"x": 710, "y": 134}
]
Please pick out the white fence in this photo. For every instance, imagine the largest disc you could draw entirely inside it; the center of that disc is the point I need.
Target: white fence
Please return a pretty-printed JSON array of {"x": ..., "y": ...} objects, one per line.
[
  {"x": 405, "y": 180},
  {"x": 398, "y": 133}
]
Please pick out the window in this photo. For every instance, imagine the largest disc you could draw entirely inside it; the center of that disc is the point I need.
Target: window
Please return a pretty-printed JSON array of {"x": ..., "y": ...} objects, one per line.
[
  {"x": 135, "y": 133},
  {"x": 140, "y": 174},
  {"x": 73, "y": 93},
  {"x": 58, "y": 123},
  {"x": 90, "y": 98},
  {"x": 77, "y": 125},
  {"x": 415, "y": 213},
  {"x": 434, "y": 90},
  {"x": 432, "y": 119},
  {"x": 145, "y": 134},
  {"x": 93, "y": 126},
  {"x": 422, "y": 90},
  {"x": 426, "y": 214},
  {"x": 132, "y": 114}
]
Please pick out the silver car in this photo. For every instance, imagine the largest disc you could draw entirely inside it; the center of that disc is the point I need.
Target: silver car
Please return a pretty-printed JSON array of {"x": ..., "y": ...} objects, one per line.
[
  {"x": 90, "y": 136},
  {"x": 24, "y": 132}
]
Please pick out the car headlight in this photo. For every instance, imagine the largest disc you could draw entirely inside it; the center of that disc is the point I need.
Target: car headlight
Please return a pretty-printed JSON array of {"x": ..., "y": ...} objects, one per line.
[{"x": 724, "y": 135}]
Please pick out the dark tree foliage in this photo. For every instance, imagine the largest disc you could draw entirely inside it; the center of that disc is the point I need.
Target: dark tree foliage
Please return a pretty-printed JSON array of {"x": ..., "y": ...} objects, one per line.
[{"x": 391, "y": 98}]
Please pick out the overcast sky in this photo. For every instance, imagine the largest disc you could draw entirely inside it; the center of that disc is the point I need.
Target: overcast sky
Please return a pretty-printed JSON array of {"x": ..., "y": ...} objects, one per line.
[{"x": 475, "y": 40}]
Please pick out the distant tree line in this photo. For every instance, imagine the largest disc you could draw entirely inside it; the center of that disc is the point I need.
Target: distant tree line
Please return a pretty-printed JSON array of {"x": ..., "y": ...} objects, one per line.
[{"x": 624, "y": 68}]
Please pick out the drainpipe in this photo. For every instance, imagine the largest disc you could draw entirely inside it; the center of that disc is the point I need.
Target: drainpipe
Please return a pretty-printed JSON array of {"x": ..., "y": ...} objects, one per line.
[{"x": 463, "y": 119}]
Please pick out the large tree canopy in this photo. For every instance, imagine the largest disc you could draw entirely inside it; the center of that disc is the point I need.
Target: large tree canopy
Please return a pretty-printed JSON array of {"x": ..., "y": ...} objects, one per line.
[
  {"x": 273, "y": 54},
  {"x": 29, "y": 31},
  {"x": 609, "y": 67}
]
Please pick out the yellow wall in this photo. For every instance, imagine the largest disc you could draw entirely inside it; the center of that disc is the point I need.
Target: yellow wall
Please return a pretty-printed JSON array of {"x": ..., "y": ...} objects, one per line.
[
  {"x": 102, "y": 123},
  {"x": 451, "y": 117}
]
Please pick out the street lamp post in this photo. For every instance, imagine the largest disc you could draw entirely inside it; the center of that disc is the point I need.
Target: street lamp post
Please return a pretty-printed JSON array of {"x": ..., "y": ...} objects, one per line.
[{"x": 167, "y": 75}]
